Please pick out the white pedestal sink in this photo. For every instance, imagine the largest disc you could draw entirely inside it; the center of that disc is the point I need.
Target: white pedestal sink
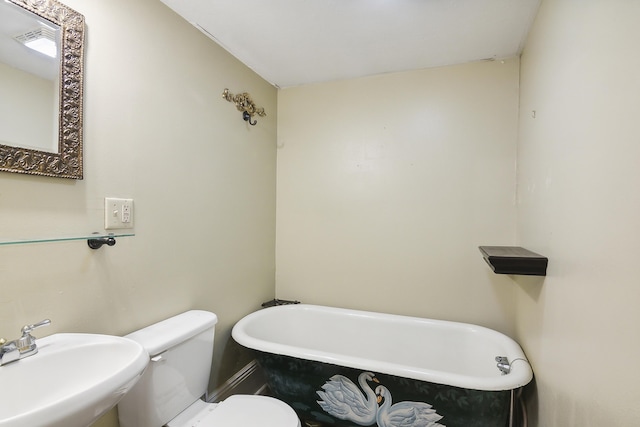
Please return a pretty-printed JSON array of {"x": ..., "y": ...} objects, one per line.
[{"x": 70, "y": 382}]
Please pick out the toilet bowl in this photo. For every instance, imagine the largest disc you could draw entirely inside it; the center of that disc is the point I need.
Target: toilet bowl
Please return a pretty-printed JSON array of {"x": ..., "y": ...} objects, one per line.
[
  {"x": 170, "y": 391},
  {"x": 238, "y": 411}
]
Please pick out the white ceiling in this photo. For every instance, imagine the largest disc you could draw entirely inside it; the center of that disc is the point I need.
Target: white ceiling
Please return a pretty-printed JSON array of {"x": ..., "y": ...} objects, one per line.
[{"x": 296, "y": 42}]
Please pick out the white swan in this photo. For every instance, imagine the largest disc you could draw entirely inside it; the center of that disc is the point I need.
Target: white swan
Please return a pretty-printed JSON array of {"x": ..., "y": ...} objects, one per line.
[
  {"x": 404, "y": 414},
  {"x": 343, "y": 399}
]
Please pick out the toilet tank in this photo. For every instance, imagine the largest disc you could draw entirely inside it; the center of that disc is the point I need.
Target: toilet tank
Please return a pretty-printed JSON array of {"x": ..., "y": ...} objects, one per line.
[{"x": 180, "y": 350}]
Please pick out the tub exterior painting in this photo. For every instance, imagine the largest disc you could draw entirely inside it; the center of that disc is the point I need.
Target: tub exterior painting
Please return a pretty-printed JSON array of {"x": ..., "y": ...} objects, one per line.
[
  {"x": 346, "y": 368},
  {"x": 298, "y": 382}
]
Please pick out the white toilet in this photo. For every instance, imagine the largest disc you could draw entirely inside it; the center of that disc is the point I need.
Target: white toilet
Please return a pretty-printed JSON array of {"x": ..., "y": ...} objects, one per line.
[{"x": 170, "y": 390}]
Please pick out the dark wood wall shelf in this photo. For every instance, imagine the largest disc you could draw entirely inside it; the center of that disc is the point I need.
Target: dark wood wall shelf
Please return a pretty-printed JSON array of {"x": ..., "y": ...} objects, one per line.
[{"x": 514, "y": 260}]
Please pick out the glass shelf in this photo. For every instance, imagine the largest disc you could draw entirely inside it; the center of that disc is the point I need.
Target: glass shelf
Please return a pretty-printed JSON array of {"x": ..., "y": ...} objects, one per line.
[{"x": 5, "y": 242}]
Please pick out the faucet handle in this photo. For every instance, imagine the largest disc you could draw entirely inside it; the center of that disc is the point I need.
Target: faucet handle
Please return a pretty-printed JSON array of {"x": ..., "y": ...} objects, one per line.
[
  {"x": 27, "y": 343},
  {"x": 27, "y": 329}
]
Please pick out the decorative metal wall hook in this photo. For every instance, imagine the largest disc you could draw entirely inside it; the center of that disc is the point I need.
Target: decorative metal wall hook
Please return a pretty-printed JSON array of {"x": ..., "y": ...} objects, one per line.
[
  {"x": 245, "y": 104},
  {"x": 247, "y": 118}
]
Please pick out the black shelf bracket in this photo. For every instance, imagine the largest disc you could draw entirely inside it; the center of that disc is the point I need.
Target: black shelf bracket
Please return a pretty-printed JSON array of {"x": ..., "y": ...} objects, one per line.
[
  {"x": 514, "y": 260},
  {"x": 98, "y": 242}
]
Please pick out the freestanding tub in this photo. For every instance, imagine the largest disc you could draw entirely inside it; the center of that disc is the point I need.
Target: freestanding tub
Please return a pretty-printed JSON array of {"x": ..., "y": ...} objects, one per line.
[{"x": 340, "y": 367}]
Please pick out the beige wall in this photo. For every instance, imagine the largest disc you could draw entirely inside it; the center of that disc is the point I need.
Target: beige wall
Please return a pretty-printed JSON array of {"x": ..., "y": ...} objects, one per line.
[
  {"x": 156, "y": 130},
  {"x": 579, "y": 204},
  {"x": 26, "y": 100},
  {"x": 387, "y": 185}
]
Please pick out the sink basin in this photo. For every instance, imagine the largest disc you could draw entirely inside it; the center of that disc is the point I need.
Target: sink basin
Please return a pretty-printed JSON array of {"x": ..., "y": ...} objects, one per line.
[{"x": 71, "y": 381}]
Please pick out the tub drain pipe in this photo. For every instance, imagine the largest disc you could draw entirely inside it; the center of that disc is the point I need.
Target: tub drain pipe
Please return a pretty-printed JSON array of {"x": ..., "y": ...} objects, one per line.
[
  {"x": 512, "y": 408},
  {"x": 523, "y": 409},
  {"x": 516, "y": 400}
]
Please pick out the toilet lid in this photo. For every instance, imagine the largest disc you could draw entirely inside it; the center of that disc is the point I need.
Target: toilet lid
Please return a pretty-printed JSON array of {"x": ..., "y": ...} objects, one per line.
[{"x": 248, "y": 410}]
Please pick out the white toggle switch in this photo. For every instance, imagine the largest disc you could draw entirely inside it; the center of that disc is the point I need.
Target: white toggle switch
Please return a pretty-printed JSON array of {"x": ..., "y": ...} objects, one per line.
[{"x": 118, "y": 213}]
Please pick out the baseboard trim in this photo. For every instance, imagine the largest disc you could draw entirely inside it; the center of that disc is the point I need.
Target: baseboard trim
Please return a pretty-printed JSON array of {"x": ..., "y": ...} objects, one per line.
[{"x": 248, "y": 380}]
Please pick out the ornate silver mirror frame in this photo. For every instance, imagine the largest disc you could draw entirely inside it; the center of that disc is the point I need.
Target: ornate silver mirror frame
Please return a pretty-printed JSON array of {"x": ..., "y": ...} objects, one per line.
[{"x": 67, "y": 162}]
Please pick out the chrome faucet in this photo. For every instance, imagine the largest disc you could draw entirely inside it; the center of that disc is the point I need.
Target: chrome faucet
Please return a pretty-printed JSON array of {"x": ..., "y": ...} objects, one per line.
[
  {"x": 22, "y": 347},
  {"x": 503, "y": 364},
  {"x": 8, "y": 351}
]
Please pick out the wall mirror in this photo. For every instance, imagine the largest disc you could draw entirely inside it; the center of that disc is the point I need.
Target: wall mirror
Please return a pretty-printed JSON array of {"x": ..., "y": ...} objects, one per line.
[{"x": 41, "y": 87}]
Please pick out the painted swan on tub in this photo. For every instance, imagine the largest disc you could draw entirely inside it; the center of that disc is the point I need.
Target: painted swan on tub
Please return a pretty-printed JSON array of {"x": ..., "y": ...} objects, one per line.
[
  {"x": 343, "y": 399},
  {"x": 404, "y": 414}
]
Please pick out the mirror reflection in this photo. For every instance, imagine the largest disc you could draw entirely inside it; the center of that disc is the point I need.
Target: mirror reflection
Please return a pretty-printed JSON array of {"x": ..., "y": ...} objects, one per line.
[
  {"x": 29, "y": 74},
  {"x": 41, "y": 79}
]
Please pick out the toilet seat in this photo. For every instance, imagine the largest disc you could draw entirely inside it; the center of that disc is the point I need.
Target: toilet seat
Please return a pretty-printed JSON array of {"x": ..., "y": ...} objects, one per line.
[{"x": 238, "y": 411}]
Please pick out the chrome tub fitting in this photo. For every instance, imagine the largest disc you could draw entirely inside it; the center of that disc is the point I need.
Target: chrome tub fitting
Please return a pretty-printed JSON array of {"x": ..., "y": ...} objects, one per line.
[{"x": 503, "y": 364}]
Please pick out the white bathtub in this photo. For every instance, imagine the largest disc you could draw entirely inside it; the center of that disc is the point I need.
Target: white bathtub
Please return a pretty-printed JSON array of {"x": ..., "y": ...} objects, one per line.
[
  {"x": 437, "y": 351},
  {"x": 457, "y": 355}
]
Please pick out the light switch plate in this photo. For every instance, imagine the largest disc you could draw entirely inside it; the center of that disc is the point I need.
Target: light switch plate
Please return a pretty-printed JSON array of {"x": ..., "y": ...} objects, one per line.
[{"x": 118, "y": 213}]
